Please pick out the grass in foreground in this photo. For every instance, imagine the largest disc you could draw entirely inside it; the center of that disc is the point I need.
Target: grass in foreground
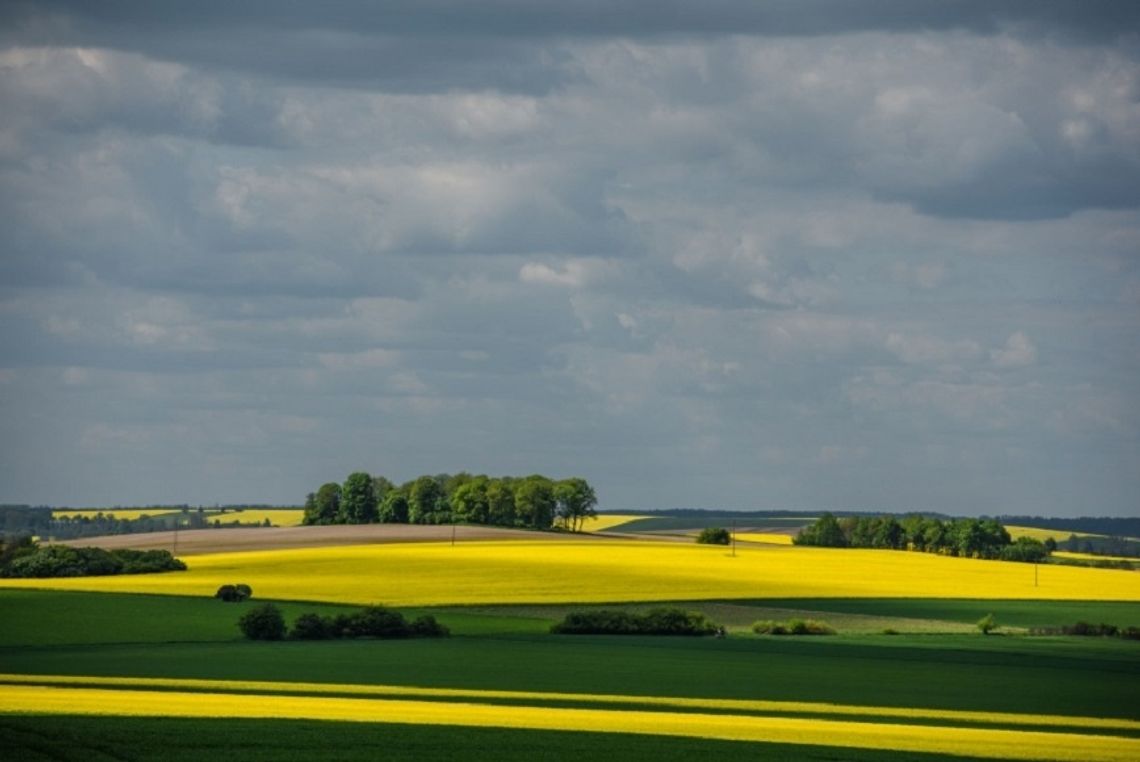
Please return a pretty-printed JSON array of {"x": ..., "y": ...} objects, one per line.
[{"x": 517, "y": 571}]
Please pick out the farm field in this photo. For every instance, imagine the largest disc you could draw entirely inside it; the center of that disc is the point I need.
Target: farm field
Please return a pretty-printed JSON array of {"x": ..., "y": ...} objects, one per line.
[
  {"x": 558, "y": 570},
  {"x": 157, "y": 657},
  {"x": 497, "y": 667}
]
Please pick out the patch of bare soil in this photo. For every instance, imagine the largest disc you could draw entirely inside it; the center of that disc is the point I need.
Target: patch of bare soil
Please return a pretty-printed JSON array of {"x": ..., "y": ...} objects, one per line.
[{"x": 190, "y": 542}]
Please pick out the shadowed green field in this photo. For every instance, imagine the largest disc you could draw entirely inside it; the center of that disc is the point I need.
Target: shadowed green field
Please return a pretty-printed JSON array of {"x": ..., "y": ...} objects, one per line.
[
  {"x": 106, "y": 739},
  {"x": 127, "y": 635}
]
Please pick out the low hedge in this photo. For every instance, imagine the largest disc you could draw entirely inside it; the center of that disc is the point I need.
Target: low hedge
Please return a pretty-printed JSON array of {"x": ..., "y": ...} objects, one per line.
[
  {"x": 792, "y": 627},
  {"x": 662, "y": 621}
]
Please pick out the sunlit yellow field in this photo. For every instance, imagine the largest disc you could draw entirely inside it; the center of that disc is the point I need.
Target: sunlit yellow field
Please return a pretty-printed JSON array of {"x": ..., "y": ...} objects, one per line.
[
  {"x": 129, "y": 514},
  {"x": 1092, "y": 557},
  {"x": 768, "y": 538},
  {"x": 518, "y": 571},
  {"x": 278, "y": 518},
  {"x": 609, "y": 521},
  {"x": 1068, "y": 739},
  {"x": 1043, "y": 534}
]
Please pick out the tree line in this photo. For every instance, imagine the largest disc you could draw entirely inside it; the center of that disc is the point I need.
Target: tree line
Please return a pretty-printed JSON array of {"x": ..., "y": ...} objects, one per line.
[
  {"x": 20, "y": 520},
  {"x": 969, "y": 538},
  {"x": 531, "y": 502},
  {"x": 23, "y": 557}
]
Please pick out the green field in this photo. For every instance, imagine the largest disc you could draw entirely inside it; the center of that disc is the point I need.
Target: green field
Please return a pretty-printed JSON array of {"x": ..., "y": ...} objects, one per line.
[
  {"x": 153, "y": 636},
  {"x": 939, "y": 665},
  {"x": 111, "y": 739}
]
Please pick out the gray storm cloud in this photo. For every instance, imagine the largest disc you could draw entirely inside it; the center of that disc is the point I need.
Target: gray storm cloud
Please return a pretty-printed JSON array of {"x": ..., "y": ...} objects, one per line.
[{"x": 803, "y": 255}]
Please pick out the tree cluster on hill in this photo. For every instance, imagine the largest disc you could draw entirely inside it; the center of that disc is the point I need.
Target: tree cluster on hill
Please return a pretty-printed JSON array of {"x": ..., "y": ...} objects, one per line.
[
  {"x": 24, "y": 558},
  {"x": 971, "y": 538},
  {"x": 532, "y": 502}
]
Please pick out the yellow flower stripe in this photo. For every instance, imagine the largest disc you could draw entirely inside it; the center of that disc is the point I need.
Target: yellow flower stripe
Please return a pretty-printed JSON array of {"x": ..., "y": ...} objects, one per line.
[
  {"x": 768, "y": 538},
  {"x": 609, "y": 521},
  {"x": 976, "y": 742},
  {"x": 1092, "y": 556},
  {"x": 129, "y": 514},
  {"x": 1054, "y": 721},
  {"x": 278, "y": 518},
  {"x": 589, "y": 571},
  {"x": 1037, "y": 533}
]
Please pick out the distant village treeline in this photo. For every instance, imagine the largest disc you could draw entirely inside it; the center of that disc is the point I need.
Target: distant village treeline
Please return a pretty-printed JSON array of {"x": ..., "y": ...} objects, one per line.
[{"x": 532, "y": 502}]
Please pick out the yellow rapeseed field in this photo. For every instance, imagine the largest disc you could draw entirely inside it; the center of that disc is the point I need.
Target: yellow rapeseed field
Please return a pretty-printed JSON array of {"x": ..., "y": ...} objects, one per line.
[
  {"x": 772, "y": 728},
  {"x": 958, "y": 716},
  {"x": 768, "y": 538},
  {"x": 278, "y": 518},
  {"x": 129, "y": 514},
  {"x": 609, "y": 521},
  {"x": 516, "y": 571},
  {"x": 1043, "y": 534}
]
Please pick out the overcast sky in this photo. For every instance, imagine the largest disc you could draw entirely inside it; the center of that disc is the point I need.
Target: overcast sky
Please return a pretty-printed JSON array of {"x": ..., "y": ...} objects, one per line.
[{"x": 787, "y": 255}]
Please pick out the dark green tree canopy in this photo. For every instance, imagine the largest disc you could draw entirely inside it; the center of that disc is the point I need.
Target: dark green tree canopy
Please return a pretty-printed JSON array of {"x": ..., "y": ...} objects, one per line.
[{"x": 533, "y": 502}]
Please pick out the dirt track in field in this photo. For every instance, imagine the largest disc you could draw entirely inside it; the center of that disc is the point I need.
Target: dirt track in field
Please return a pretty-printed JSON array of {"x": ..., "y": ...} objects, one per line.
[{"x": 193, "y": 541}]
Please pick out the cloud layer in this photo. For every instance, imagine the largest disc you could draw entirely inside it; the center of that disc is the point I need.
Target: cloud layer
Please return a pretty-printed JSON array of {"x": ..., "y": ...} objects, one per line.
[{"x": 741, "y": 257}]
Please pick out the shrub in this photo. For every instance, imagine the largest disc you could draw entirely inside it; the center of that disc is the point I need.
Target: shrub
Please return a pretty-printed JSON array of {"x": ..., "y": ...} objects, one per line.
[
  {"x": 660, "y": 621},
  {"x": 714, "y": 536},
  {"x": 147, "y": 561},
  {"x": 263, "y": 622},
  {"x": 427, "y": 627},
  {"x": 792, "y": 627},
  {"x": 987, "y": 624},
  {"x": 370, "y": 622},
  {"x": 312, "y": 627},
  {"x": 234, "y": 593},
  {"x": 373, "y": 622}
]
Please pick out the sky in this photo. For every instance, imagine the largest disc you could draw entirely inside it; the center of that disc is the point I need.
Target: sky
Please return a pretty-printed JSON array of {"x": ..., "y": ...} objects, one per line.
[{"x": 790, "y": 255}]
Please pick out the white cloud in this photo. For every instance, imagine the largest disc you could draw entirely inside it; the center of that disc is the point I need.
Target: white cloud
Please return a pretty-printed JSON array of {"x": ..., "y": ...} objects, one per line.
[
  {"x": 1018, "y": 352},
  {"x": 931, "y": 350}
]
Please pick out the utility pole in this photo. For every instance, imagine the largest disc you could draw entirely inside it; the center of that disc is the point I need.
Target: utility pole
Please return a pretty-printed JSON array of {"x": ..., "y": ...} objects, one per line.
[
  {"x": 453, "y": 534},
  {"x": 734, "y": 538}
]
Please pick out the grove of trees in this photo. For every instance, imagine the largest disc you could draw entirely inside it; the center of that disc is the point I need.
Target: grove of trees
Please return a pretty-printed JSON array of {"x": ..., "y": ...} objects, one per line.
[
  {"x": 971, "y": 538},
  {"x": 531, "y": 502}
]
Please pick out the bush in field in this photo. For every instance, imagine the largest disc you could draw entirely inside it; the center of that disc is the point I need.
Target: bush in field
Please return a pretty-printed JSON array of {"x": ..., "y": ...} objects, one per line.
[
  {"x": 987, "y": 624},
  {"x": 234, "y": 593},
  {"x": 792, "y": 627},
  {"x": 370, "y": 622},
  {"x": 714, "y": 536},
  {"x": 1084, "y": 629},
  {"x": 312, "y": 627},
  {"x": 263, "y": 622},
  {"x": 656, "y": 622},
  {"x": 427, "y": 627}
]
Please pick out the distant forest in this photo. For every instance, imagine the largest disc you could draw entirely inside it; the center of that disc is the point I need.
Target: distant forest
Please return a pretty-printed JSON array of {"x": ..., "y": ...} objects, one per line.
[{"x": 26, "y": 520}]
